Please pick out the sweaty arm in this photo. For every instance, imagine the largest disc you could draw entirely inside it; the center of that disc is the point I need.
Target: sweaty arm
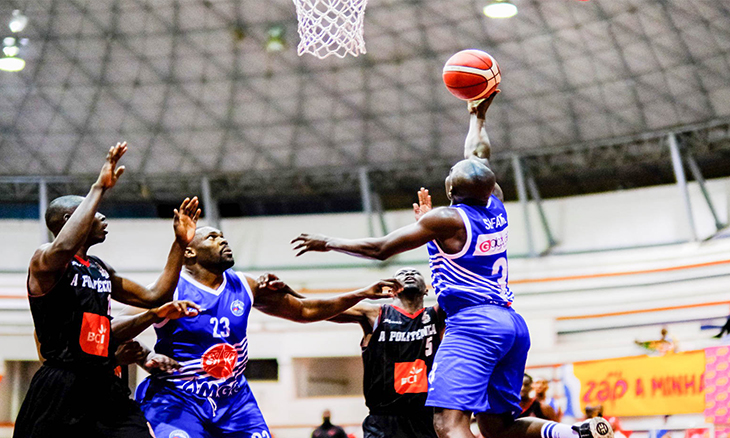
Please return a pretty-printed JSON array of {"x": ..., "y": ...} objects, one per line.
[
  {"x": 162, "y": 290},
  {"x": 273, "y": 297},
  {"x": 439, "y": 224},
  {"x": 50, "y": 260}
]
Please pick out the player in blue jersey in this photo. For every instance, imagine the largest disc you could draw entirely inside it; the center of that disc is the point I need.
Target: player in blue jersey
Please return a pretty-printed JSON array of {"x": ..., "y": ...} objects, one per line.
[
  {"x": 481, "y": 361},
  {"x": 208, "y": 395}
]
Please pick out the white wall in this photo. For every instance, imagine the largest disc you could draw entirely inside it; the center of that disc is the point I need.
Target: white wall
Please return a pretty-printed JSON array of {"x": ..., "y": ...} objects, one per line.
[{"x": 672, "y": 274}]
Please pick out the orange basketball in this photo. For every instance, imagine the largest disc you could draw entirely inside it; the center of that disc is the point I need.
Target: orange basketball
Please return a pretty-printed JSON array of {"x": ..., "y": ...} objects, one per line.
[{"x": 471, "y": 74}]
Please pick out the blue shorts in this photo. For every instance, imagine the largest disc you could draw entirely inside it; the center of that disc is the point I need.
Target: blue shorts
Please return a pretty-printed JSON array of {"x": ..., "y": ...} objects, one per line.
[
  {"x": 480, "y": 363},
  {"x": 173, "y": 413}
]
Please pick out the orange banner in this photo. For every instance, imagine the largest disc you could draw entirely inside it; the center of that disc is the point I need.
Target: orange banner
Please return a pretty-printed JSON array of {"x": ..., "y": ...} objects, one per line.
[{"x": 667, "y": 385}]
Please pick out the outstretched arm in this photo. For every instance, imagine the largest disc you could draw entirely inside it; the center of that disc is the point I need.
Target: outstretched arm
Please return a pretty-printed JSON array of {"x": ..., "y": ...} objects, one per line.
[
  {"x": 132, "y": 293},
  {"x": 134, "y": 321},
  {"x": 136, "y": 352},
  {"x": 50, "y": 260},
  {"x": 364, "y": 314},
  {"x": 477, "y": 144},
  {"x": 274, "y": 297},
  {"x": 439, "y": 224}
]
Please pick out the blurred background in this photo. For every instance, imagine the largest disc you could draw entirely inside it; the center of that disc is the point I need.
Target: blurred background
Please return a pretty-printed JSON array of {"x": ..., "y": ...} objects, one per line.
[{"x": 611, "y": 140}]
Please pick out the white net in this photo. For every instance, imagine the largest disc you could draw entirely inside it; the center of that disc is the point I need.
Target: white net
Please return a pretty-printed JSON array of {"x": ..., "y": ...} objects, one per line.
[{"x": 331, "y": 27}]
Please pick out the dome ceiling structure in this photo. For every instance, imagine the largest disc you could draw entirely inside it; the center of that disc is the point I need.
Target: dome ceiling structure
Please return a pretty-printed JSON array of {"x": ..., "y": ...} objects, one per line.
[{"x": 191, "y": 87}]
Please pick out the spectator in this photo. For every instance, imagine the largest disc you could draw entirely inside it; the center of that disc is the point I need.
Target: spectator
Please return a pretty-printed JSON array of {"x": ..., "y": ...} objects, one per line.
[
  {"x": 327, "y": 429},
  {"x": 541, "y": 386},
  {"x": 660, "y": 346},
  {"x": 530, "y": 406},
  {"x": 594, "y": 411}
]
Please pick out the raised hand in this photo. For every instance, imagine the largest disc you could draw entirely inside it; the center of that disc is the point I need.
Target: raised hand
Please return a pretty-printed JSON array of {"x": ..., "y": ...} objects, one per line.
[
  {"x": 310, "y": 242},
  {"x": 109, "y": 172},
  {"x": 176, "y": 310},
  {"x": 185, "y": 220},
  {"x": 270, "y": 281},
  {"x": 383, "y": 289},
  {"x": 159, "y": 362},
  {"x": 480, "y": 106},
  {"x": 424, "y": 204}
]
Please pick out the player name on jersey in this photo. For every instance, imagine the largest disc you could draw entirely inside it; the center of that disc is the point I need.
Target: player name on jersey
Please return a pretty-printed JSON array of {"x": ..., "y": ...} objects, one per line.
[{"x": 411, "y": 336}]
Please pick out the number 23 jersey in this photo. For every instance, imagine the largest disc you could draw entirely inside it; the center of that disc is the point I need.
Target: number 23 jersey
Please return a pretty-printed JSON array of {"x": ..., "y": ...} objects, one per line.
[{"x": 212, "y": 347}]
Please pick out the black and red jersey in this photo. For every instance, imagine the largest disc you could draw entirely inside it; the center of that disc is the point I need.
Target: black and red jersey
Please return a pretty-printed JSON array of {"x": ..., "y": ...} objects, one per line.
[
  {"x": 398, "y": 358},
  {"x": 72, "y": 320}
]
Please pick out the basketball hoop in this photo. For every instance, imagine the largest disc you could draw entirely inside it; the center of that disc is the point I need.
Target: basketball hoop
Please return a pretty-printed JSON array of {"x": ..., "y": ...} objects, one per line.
[{"x": 331, "y": 27}]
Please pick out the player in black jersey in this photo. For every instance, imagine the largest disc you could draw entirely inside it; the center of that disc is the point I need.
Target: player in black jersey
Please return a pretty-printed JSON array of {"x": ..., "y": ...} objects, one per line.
[
  {"x": 75, "y": 393},
  {"x": 398, "y": 348}
]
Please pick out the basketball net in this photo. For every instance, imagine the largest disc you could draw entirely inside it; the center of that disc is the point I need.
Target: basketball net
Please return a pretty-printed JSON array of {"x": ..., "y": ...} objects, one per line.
[{"x": 331, "y": 27}]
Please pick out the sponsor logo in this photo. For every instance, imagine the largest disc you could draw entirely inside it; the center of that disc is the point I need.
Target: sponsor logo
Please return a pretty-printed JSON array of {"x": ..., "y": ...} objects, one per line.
[
  {"x": 410, "y": 377},
  {"x": 94, "y": 337},
  {"x": 602, "y": 428},
  {"x": 494, "y": 243},
  {"x": 390, "y": 321},
  {"x": 211, "y": 389},
  {"x": 179, "y": 434},
  {"x": 237, "y": 307},
  {"x": 220, "y": 360}
]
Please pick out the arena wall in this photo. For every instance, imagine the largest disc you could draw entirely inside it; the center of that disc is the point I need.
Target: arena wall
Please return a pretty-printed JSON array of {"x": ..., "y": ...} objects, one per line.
[{"x": 623, "y": 268}]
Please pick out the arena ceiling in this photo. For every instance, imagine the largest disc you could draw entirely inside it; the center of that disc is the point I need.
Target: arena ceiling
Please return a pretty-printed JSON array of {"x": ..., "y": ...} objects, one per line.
[{"x": 589, "y": 91}]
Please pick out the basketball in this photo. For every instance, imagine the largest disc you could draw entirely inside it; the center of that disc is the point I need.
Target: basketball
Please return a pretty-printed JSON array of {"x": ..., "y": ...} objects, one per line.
[{"x": 471, "y": 74}]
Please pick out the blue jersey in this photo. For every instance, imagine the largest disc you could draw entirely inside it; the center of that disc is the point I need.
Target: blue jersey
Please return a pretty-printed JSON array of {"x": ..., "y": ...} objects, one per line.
[
  {"x": 478, "y": 273},
  {"x": 212, "y": 348}
]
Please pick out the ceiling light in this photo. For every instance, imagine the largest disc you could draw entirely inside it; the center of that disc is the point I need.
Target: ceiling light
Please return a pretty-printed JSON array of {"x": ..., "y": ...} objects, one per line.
[
  {"x": 9, "y": 60},
  {"x": 500, "y": 9},
  {"x": 11, "y": 51},
  {"x": 18, "y": 22},
  {"x": 275, "y": 41},
  {"x": 11, "y": 64}
]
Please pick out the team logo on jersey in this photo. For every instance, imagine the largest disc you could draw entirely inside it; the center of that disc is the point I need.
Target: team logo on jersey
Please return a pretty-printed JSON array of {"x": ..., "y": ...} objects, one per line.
[
  {"x": 220, "y": 360},
  {"x": 179, "y": 434},
  {"x": 410, "y": 377},
  {"x": 103, "y": 271},
  {"x": 494, "y": 243},
  {"x": 237, "y": 307},
  {"x": 426, "y": 318}
]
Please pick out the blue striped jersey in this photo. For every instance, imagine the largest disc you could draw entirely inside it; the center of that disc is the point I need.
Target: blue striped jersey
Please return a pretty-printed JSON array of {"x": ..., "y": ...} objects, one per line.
[
  {"x": 478, "y": 273},
  {"x": 212, "y": 347}
]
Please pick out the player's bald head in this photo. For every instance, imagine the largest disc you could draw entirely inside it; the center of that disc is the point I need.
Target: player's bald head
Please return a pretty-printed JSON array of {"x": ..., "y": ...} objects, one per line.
[
  {"x": 201, "y": 233},
  {"x": 59, "y": 210},
  {"x": 470, "y": 182}
]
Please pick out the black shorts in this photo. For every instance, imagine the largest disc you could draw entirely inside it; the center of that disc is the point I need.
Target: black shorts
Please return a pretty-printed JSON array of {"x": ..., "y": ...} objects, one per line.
[
  {"x": 64, "y": 403},
  {"x": 418, "y": 425}
]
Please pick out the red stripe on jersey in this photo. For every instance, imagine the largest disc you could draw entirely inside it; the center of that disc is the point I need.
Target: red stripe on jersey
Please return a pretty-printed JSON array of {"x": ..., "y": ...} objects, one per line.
[
  {"x": 410, "y": 315},
  {"x": 82, "y": 261}
]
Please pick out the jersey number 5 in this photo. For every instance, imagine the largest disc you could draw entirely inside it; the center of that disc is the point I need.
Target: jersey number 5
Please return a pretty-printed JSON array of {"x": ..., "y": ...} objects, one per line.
[
  {"x": 429, "y": 346},
  {"x": 223, "y": 324}
]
